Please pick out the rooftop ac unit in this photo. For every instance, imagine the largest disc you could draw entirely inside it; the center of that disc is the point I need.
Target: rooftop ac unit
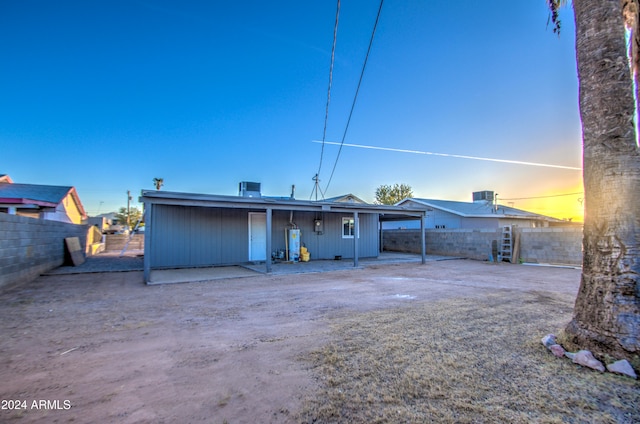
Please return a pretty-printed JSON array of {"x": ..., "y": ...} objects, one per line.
[
  {"x": 483, "y": 196},
  {"x": 249, "y": 189}
]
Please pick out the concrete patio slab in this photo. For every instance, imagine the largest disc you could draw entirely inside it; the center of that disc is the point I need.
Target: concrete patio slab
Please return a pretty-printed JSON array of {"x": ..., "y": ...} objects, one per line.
[{"x": 190, "y": 275}]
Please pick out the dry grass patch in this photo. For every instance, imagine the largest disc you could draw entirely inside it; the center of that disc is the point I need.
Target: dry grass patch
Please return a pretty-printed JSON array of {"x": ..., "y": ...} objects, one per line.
[{"x": 462, "y": 361}]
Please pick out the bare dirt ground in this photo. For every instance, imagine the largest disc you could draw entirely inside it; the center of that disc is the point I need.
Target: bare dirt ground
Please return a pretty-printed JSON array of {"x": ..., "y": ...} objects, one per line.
[{"x": 106, "y": 348}]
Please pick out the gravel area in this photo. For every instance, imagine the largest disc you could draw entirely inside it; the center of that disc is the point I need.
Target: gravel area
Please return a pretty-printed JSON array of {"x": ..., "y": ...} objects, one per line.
[{"x": 236, "y": 350}]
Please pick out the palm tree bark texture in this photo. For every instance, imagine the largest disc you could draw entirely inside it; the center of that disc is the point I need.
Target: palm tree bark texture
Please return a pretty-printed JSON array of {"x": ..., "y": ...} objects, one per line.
[{"x": 607, "y": 311}]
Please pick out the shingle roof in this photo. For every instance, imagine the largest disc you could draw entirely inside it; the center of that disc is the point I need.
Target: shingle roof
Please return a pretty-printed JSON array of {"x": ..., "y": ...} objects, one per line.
[
  {"x": 39, "y": 193},
  {"x": 477, "y": 209}
]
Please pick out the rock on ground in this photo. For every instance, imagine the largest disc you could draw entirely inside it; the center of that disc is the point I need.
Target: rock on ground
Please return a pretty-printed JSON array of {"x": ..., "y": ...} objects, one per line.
[
  {"x": 549, "y": 340},
  {"x": 622, "y": 367},
  {"x": 557, "y": 350},
  {"x": 585, "y": 358}
]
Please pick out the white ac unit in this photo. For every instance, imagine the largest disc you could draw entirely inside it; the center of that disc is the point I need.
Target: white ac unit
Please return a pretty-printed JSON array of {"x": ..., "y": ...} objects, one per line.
[
  {"x": 483, "y": 196},
  {"x": 249, "y": 189}
]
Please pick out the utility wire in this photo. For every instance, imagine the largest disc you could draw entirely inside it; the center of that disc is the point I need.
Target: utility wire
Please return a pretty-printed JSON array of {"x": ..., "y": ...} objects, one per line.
[
  {"x": 326, "y": 112},
  {"x": 544, "y": 197},
  {"x": 355, "y": 97}
]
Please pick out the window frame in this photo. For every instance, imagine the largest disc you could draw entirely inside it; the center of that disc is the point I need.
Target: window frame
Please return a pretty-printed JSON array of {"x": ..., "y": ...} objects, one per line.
[{"x": 348, "y": 222}]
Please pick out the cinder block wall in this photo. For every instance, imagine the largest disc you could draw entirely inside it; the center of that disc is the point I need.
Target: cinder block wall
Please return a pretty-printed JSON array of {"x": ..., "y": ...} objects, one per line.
[
  {"x": 473, "y": 244},
  {"x": 29, "y": 246},
  {"x": 118, "y": 241},
  {"x": 551, "y": 245},
  {"x": 537, "y": 245}
]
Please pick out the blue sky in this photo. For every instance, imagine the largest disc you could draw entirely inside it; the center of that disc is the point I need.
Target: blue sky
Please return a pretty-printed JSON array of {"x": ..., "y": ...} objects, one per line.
[{"x": 107, "y": 95}]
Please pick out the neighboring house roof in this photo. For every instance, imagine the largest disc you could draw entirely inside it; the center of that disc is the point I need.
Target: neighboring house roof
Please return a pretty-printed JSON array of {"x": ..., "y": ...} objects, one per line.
[
  {"x": 476, "y": 209},
  {"x": 346, "y": 198},
  {"x": 38, "y": 195}
]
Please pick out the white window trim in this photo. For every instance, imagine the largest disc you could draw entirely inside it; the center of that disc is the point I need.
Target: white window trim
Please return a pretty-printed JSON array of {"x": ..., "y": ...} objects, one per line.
[{"x": 349, "y": 219}]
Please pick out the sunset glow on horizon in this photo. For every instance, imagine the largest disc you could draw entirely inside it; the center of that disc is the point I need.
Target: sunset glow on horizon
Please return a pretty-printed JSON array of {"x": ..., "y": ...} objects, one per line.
[{"x": 567, "y": 204}]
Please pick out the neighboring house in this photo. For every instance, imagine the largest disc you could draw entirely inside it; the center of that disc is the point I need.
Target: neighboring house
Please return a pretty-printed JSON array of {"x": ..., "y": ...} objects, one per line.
[
  {"x": 110, "y": 223},
  {"x": 55, "y": 203},
  {"x": 347, "y": 198},
  {"x": 201, "y": 230},
  {"x": 479, "y": 214}
]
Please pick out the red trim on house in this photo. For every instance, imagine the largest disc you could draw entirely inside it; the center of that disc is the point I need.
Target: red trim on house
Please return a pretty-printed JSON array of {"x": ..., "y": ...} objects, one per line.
[{"x": 26, "y": 202}]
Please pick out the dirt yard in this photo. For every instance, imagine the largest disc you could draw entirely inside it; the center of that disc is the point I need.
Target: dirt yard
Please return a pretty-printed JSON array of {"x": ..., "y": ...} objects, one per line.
[{"x": 106, "y": 348}]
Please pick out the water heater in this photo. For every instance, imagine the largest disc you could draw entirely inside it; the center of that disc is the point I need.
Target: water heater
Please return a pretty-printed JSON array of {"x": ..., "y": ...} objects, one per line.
[{"x": 294, "y": 244}]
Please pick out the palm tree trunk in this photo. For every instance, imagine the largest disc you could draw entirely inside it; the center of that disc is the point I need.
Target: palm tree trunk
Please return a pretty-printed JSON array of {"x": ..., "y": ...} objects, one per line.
[
  {"x": 631, "y": 16},
  {"x": 607, "y": 311}
]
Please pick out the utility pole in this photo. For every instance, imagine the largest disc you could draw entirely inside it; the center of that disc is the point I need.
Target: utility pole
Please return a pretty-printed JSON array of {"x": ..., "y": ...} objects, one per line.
[
  {"x": 317, "y": 188},
  {"x": 128, "y": 209}
]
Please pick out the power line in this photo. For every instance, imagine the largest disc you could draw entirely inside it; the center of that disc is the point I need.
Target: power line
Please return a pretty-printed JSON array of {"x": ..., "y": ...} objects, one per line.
[
  {"x": 326, "y": 112},
  {"x": 544, "y": 197},
  {"x": 355, "y": 97}
]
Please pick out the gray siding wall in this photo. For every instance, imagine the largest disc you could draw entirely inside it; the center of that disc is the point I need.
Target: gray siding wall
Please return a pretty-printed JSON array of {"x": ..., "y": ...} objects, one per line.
[
  {"x": 438, "y": 217},
  {"x": 330, "y": 243},
  {"x": 199, "y": 236},
  {"x": 31, "y": 246}
]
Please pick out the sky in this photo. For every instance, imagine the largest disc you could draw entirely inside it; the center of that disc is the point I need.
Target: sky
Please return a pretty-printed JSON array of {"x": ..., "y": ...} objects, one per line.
[{"x": 105, "y": 96}]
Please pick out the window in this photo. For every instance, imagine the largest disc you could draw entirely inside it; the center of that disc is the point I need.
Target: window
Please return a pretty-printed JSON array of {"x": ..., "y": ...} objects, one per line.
[{"x": 348, "y": 228}]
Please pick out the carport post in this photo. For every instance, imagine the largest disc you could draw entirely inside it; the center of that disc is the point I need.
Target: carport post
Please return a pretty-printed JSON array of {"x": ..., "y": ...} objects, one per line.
[
  {"x": 148, "y": 242},
  {"x": 268, "y": 257},
  {"x": 423, "y": 238},
  {"x": 356, "y": 236}
]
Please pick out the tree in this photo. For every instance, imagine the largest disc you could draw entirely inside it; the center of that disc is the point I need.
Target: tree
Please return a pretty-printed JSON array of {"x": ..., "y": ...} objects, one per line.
[
  {"x": 390, "y": 195},
  {"x": 158, "y": 182},
  {"x": 134, "y": 216},
  {"x": 606, "y": 317}
]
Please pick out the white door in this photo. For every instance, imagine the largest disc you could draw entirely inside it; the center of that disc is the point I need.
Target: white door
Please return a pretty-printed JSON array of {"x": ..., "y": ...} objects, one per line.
[{"x": 257, "y": 236}]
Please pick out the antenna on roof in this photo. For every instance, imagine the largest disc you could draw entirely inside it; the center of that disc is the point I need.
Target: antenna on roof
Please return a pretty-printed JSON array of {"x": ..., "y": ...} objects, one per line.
[{"x": 316, "y": 188}]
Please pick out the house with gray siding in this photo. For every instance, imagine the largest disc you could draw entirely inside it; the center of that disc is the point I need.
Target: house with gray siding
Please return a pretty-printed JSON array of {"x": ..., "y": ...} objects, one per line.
[
  {"x": 482, "y": 213},
  {"x": 184, "y": 230}
]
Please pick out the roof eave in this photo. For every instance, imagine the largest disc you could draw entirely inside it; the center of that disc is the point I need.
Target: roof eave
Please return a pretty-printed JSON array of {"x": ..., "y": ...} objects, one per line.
[
  {"x": 238, "y": 202},
  {"x": 26, "y": 202}
]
